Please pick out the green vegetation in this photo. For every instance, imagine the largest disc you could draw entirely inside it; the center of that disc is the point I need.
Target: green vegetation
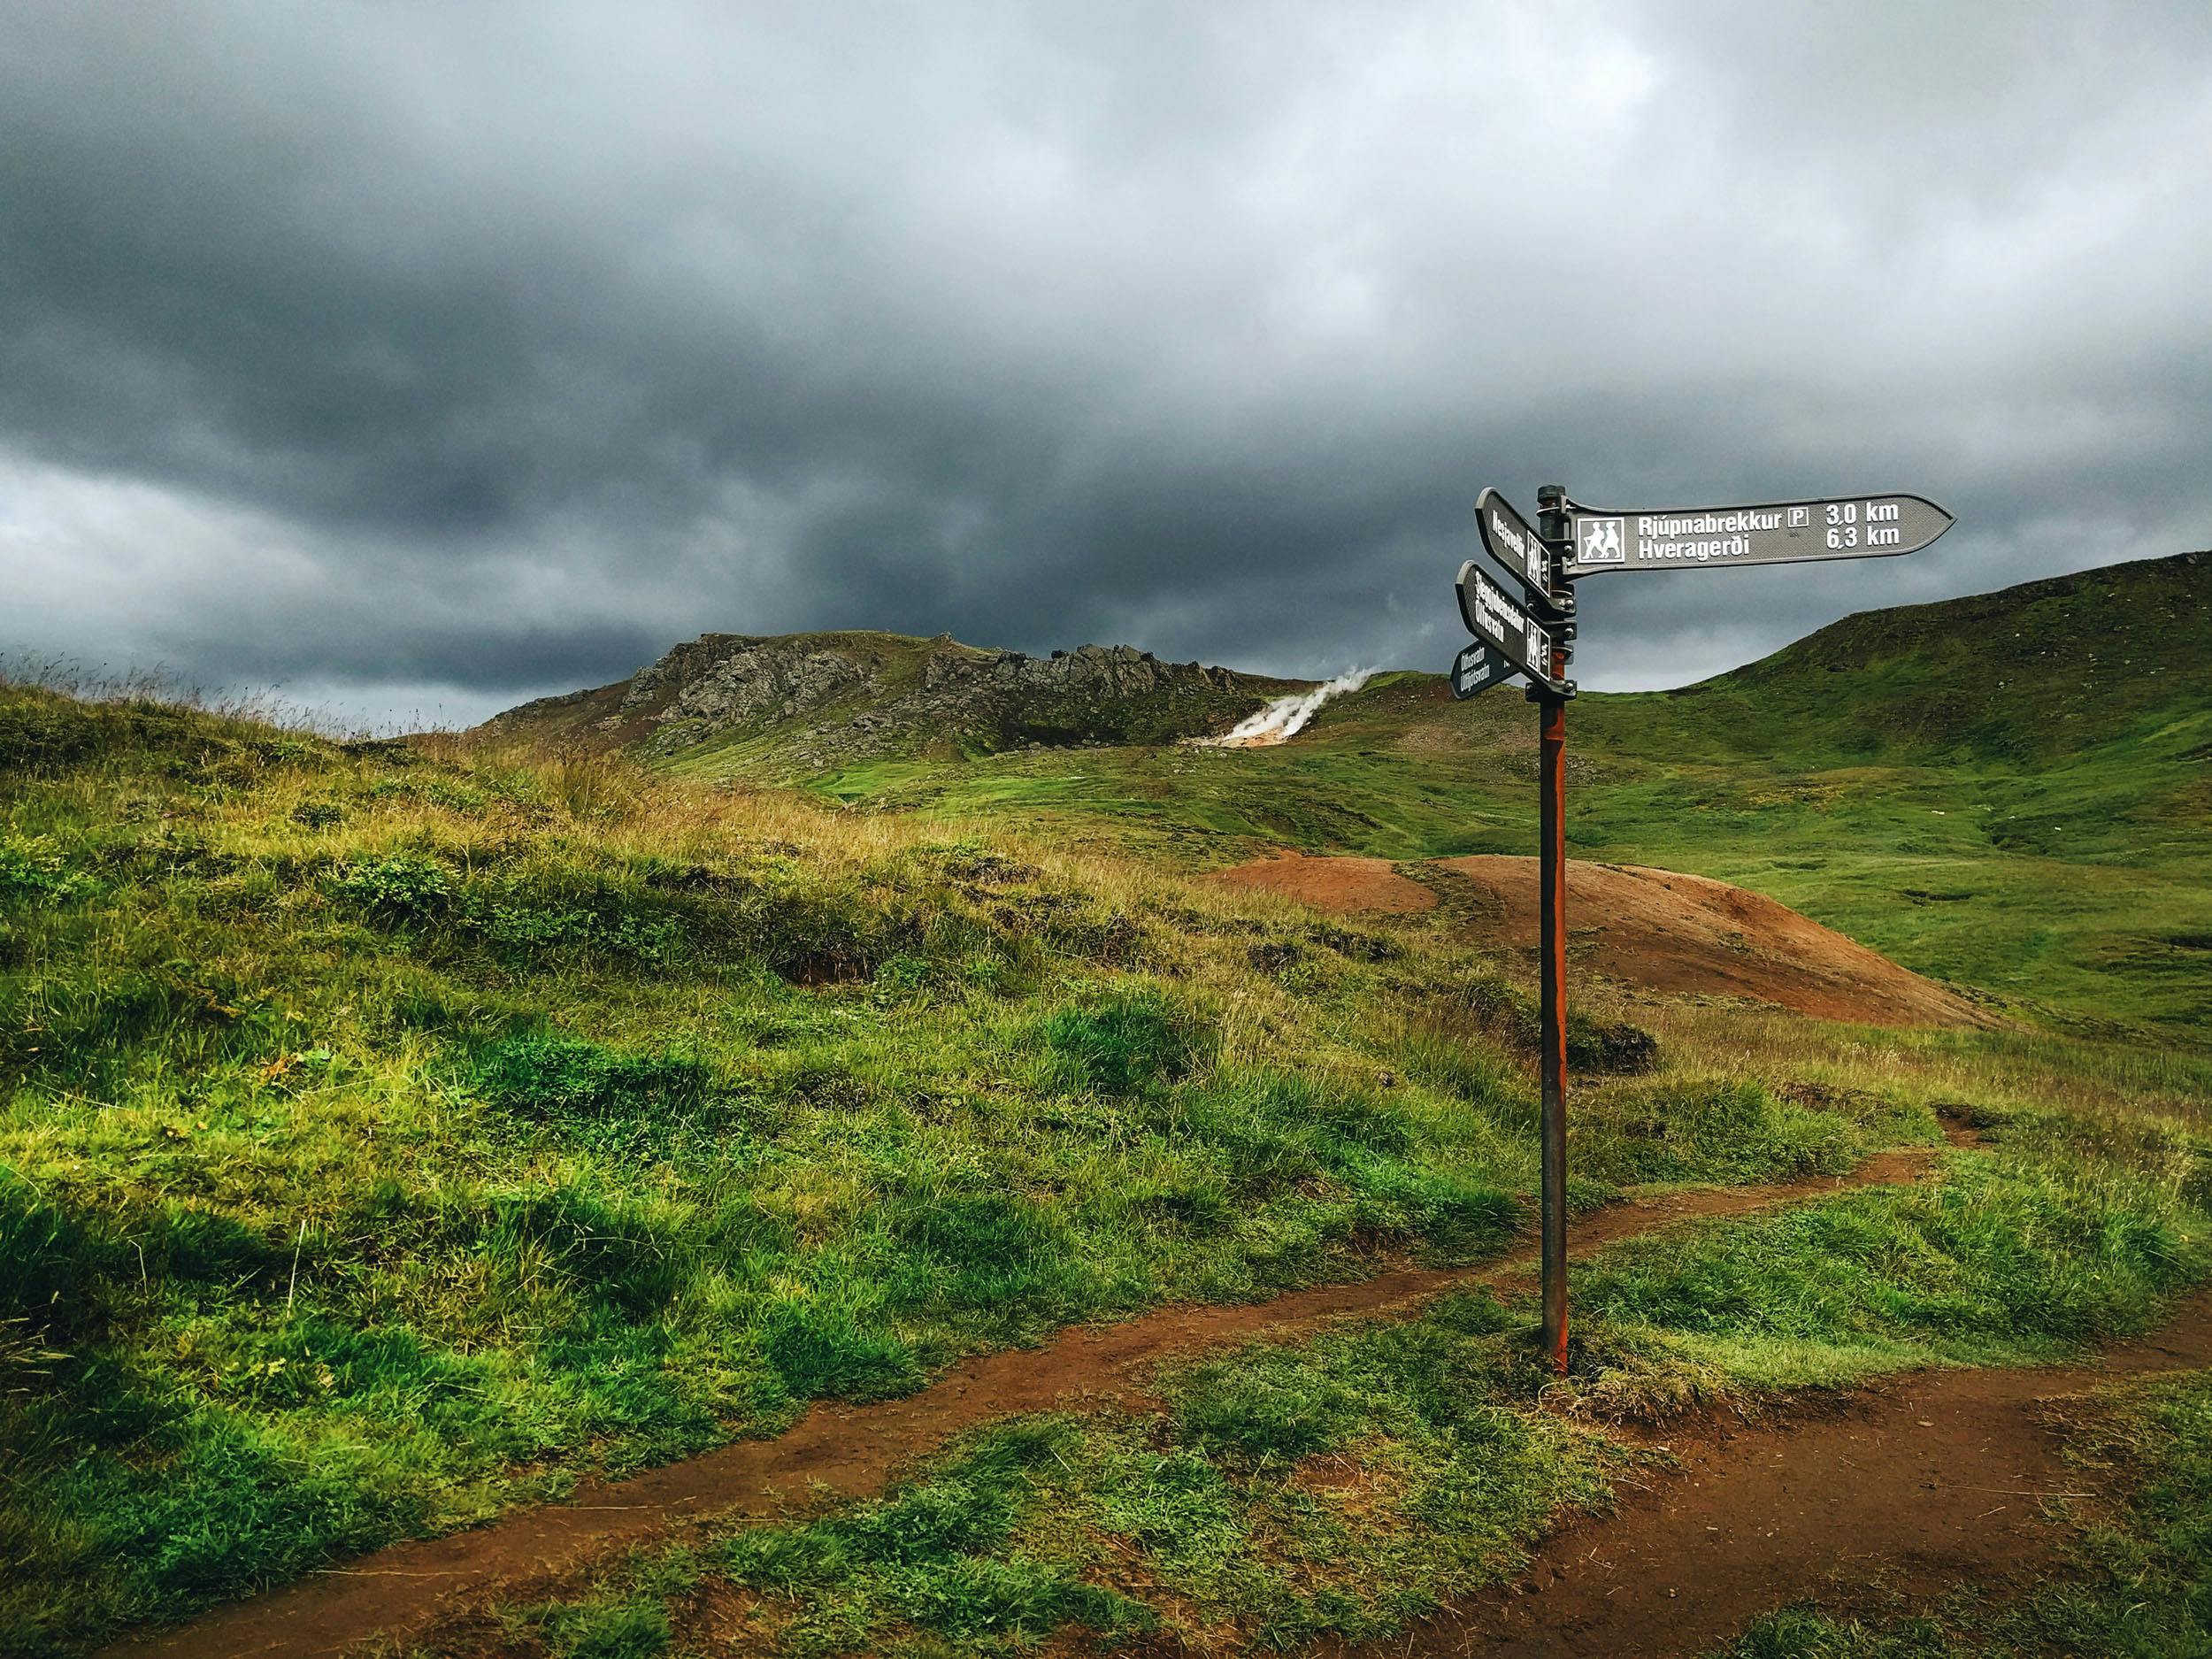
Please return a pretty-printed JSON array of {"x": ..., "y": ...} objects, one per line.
[
  {"x": 2052, "y": 1241},
  {"x": 391, "y": 1137},
  {"x": 1340, "y": 1487},
  {"x": 1351, "y": 1482},
  {"x": 2009, "y": 791},
  {"x": 393, "y": 1133}
]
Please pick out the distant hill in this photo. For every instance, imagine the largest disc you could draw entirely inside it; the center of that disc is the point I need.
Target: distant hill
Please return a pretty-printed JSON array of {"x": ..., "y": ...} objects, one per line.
[
  {"x": 2027, "y": 673},
  {"x": 802, "y": 703},
  {"x": 2030, "y": 672}
]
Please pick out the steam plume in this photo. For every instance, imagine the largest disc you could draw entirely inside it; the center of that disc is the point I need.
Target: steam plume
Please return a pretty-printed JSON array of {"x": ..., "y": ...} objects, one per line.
[{"x": 1286, "y": 716}]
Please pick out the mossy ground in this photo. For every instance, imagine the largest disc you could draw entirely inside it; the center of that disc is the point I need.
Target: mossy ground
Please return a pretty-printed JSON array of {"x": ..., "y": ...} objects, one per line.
[{"x": 1347, "y": 1484}]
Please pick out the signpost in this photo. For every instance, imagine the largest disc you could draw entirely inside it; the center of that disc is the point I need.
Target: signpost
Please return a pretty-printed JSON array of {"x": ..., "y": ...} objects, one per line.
[
  {"x": 1535, "y": 639},
  {"x": 1514, "y": 542},
  {"x": 1491, "y": 617},
  {"x": 1475, "y": 667},
  {"x": 1771, "y": 532}
]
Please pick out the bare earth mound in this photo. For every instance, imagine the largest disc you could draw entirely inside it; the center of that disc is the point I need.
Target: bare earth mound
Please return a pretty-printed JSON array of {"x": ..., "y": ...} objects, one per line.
[
  {"x": 1371, "y": 885},
  {"x": 1690, "y": 934},
  {"x": 1686, "y": 935}
]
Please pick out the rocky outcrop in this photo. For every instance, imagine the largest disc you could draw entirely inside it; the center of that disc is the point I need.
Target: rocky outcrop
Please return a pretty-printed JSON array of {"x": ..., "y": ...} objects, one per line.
[
  {"x": 728, "y": 679},
  {"x": 837, "y": 696}
]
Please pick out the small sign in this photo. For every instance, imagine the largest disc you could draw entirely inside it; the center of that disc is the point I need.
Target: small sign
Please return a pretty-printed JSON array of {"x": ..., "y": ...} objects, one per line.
[
  {"x": 1477, "y": 668},
  {"x": 1513, "y": 542},
  {"x": 1504, "y": 626},
  {"x": 1777, "y": 533}
]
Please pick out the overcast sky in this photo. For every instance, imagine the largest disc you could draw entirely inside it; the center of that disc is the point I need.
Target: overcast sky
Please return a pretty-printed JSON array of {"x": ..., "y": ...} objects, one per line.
[{"x": 418, "y": 359}]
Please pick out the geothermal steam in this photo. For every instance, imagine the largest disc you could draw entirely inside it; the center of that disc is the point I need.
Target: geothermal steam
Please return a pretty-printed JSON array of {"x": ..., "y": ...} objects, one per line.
[{"x": 1286, "y": 716}]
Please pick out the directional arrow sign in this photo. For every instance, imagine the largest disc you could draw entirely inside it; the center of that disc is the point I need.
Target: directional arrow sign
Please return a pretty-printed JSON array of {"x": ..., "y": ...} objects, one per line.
[
  {"x": 1779, "y": 533},
  {"x": 1504, "y": 625},
  {"x": 1513, "y": 542},
  {"x": 1475, "y": 667}
]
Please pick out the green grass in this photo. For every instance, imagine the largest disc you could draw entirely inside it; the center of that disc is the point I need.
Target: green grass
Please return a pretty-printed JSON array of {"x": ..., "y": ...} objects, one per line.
[
  {"x": 1344, "y": 1485},
  {"x": 2087, "y": 891},
  {"x": 389, "y": 1139},
  {"x": 2008, "y": 791},
  {"x": 1339, "y": 1489},
  {"x": 2017, "y": 1255},
  {"x": 392, "y": 1135}
]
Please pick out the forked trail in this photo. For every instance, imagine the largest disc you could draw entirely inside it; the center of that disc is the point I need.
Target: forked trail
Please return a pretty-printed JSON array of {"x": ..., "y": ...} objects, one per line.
[
  {"x": 1931, "y": 1480},
  {"x": 853, "y": 1450}
]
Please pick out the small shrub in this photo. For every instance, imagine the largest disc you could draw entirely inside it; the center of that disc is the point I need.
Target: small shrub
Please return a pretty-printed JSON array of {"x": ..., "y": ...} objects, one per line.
[
  {"x": 31, "y": 874},
  {"x": 822, "y": 1352},
  {"x": 902, "y": 980},
  {"x": 402, "y": 888},
  {"x": 1124, "y": 1044}
]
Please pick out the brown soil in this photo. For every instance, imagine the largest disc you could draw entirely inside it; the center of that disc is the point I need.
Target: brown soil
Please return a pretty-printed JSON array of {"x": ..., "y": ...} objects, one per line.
[
  {"x": 1686, "y": 933},
  {"x": 1675, "y": 934},
  {"x": 1934, "y": 1480},
  {"x": 853, "y": 1450},
  {"x": 1371, "y": 885}
]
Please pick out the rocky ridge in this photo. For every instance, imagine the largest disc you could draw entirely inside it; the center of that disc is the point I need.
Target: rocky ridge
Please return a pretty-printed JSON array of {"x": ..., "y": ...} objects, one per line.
[{"x": 829, "y": 698}]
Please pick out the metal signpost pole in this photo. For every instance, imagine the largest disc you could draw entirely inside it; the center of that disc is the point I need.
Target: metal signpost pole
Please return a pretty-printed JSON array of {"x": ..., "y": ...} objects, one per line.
[
  {"x": 1533, "y": 639},
  {"x": 1552, "y": 940}
]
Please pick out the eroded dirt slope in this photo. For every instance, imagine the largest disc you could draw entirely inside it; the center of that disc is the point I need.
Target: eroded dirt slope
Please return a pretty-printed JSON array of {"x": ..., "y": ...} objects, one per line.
[
  {"x": 1681, "y": 934},
  {"x": 1347, "y": 885}
]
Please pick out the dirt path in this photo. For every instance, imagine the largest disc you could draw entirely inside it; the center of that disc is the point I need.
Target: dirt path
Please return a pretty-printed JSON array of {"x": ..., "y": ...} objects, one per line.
[
  {"x": 853, "y": 1450},
  {"x": 1935, "y": 1480}
]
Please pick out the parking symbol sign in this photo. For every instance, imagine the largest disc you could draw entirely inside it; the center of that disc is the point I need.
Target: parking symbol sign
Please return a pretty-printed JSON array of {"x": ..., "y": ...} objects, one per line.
[{"x": 1602, "y": 542}]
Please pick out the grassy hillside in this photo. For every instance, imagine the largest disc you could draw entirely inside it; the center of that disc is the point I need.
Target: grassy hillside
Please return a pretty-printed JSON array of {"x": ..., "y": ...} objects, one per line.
[
  {"x": 392, "y": 1133},
  {"x": 2014, "y": 790}
]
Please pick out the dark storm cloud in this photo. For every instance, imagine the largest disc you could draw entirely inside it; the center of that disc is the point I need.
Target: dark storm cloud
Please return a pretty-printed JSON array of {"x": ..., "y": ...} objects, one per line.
[{"x": 387, "y": 350}]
